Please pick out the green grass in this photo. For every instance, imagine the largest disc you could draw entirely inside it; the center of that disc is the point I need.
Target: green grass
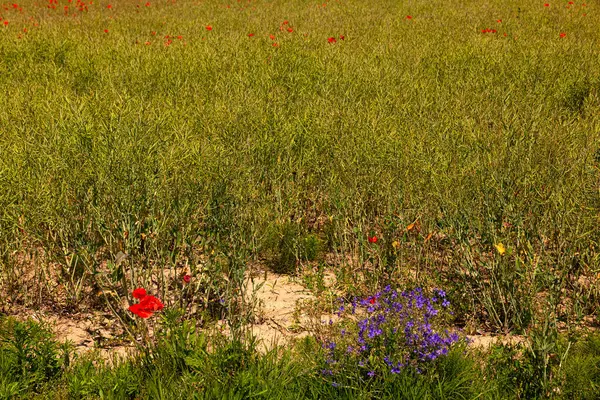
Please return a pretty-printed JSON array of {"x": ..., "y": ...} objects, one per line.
[
  {"x": 183, "y": 363},
  {"x": 220, "y": 150},
  {"x": 169, "y": 153}
]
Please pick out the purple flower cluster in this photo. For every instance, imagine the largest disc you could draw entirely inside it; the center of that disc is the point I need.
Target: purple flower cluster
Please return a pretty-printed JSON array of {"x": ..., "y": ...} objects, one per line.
[{"x": 394, "y": 330}]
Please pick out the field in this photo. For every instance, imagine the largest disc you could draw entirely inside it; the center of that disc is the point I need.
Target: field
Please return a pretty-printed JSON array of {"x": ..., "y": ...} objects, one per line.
[{"x": 444, "y": 153}]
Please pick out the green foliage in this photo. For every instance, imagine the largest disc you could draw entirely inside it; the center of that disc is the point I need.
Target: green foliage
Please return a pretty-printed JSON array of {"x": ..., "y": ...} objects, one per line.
[
  {"x": 505, "y": 287},
  {"x": 219, "y": 149},
  {"x": 29, "y": 357},
  {"x": 125, "y": 164},
  {"x": 93, "y": 378},
  {"x": 288, "y": 244},
  {"x": 541, "y": 367},
  {"x": 453, "y": 376},
  {"x": 182, "y": 362},
  {"x": 582, "y": 369},
  {"x": 575, "y": 95}
]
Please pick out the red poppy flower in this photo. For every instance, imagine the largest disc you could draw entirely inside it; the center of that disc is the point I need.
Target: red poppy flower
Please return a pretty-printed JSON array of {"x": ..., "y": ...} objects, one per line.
[
  {"x": 208, "y": 28},
  {"x": 546, "y": 5},
  {"x": 372, "y": 239},
  {"x": 106, "y": 31},
  {"x": 331, "y": 40},
  {"x": 272, "y": 37},
  {"x": 187, "y": 278},
  {"x": 139, "y": 293},
  {"x": 146, "y": 307},
  {"x": 5, "y": 23},
  {"x": 179, "y": 37},
  {"x": 109, "y": 6},
  {"x": 372, "y": 300},
  {"x": 342, "y": 37},
  {"x": 499, "y": 21},
  {"x": 147, "y": 4},
  {"x": 409, "y": 17},
  {"x": 285, "y": 22},
  {"x": 275, "y": 45},
  {"x": 571, "y": 3},
  {"x": 290, "y": 30},
  {"x": 562, "y": 34},
  {"x": 250, "y": 34}
]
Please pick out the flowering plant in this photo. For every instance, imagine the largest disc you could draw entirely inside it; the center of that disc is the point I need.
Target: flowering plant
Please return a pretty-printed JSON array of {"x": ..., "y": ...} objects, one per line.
[
  {"x": 388, "y": 332},
  {"x": 148, "y": 304}
]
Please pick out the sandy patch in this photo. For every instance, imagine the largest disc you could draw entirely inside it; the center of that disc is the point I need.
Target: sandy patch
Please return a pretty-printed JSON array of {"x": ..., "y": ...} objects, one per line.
[
  {"x": 280, "y": 315},
  {"x": 484, "y": 342},
  {"x": 87, "y": 332}
]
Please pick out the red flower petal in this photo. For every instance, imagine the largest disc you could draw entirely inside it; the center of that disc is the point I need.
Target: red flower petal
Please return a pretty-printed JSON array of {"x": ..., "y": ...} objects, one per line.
[
  {"x": 139, "y": 293},
  {"x": 135, "y": 308},
  {"x": 150, "y": 304}
]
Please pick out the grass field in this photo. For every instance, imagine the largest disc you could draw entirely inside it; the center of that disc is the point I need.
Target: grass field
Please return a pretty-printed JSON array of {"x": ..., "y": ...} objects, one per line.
[{"x": 449, "y": 145}]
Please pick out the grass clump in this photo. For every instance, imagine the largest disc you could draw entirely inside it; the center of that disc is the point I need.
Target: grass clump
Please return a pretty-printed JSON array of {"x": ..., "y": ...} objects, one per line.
[
  {"x": 30, "y": 358},
  {"x": 185, "y": 363},
  {"x": 182, "y": 362}
]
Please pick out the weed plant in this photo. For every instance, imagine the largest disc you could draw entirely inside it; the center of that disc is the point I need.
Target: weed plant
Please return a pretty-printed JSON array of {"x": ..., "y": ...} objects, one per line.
[
  {"x": 393, "y": 331},
  {"x": 184, "y": 363},
  {"x": 178, "y": 134}
]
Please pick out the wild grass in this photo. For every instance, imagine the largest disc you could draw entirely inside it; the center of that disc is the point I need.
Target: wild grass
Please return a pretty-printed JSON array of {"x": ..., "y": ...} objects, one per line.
[
  {"x": 184, "y": 363},
  {"x": 472, "y": 156},
  {"x": 221, "y": 141}
]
